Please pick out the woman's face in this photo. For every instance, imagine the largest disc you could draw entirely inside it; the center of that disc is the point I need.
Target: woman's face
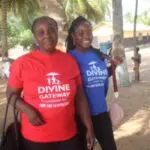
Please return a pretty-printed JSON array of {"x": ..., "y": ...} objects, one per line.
[
  {"x": 46, "y": 36},
  {"x": 83, "y": 36}
]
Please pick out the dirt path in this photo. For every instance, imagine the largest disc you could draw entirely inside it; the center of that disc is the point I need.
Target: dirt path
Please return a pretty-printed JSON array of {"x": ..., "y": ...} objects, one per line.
[{"x": 134, "y": 132}]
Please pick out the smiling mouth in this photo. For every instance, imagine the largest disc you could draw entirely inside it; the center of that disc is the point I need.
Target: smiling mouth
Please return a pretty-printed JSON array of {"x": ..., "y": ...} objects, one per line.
[{"x": 86, "y": 42}]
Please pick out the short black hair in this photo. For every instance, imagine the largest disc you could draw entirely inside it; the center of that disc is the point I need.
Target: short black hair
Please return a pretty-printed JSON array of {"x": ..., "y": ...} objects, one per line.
[
  {"x": 74, "y": 25},
  {"x": 43, "y": 19}
]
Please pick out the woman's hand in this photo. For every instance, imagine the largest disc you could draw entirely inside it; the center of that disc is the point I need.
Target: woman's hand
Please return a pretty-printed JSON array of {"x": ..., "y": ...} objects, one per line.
[
  {"x": 82, "y": 110},
  {"x": 33, "y": 116},
  {"x": 117, "y": 60},
  {"x": 90, "y": 139}
]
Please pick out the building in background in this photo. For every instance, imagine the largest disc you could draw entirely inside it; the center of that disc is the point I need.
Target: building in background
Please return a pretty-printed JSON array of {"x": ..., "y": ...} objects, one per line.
[{"x": 103, "y": 33}]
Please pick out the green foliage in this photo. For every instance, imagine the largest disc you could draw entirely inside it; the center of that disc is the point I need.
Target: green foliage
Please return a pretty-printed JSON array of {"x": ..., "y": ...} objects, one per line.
[
  {"x": 143, "y": 18},
  {"x": 18, "y": 34},
  {"x": 23, "y": 9},
  {"x": 26, "y": 39},
  {"x": 129, "y": 17},
  {"x": 94, "y": 10}
]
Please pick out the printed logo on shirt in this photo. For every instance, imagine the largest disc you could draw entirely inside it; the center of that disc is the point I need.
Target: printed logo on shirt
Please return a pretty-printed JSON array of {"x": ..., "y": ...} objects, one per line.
[
  {"x": 54, "y": 94},
  {"x": 51, "y": 78},
  {"x": 96, "y": 75}
]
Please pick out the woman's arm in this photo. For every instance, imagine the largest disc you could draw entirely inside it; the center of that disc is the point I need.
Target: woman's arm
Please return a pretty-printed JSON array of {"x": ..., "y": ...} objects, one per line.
[
  {"x": 84, "y": 114},
  {"x": 32, "y": 114}
]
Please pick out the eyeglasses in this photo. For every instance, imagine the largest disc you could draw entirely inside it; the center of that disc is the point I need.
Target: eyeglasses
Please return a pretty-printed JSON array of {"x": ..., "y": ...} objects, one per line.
[{"x": 50, "y": 31}]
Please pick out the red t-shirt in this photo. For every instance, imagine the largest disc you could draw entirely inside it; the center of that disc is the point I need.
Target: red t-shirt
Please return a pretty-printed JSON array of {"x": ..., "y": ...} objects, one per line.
[{"x": 49, "y": 84}]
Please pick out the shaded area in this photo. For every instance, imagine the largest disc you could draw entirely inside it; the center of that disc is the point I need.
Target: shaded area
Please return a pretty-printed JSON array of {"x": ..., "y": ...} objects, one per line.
[{"x": 129, "y": 42}]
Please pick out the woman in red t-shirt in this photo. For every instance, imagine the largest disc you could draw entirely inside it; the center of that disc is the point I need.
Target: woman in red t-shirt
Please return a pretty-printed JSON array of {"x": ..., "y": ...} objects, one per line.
[{"x": 53, "y": 93}]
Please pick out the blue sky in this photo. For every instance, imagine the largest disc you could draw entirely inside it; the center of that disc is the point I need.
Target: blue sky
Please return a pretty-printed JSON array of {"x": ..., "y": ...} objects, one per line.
[{"x": 129, "y": 5}]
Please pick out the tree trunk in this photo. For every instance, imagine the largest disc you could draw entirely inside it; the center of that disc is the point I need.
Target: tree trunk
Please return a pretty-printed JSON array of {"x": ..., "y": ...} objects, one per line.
[
  {"x": 118, "y": 49},
  {"x": 4, "y": 51},
  {"x": 136, "y": 70}
]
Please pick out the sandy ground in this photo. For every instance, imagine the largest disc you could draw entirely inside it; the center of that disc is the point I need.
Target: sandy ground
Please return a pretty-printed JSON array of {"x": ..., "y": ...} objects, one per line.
[{"x": 134, "y": 131}]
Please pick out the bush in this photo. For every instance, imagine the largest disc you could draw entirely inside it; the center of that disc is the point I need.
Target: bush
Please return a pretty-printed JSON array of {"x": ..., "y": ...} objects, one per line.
[
  {"x": 18, "y": 34},
  {"x": 26, "y": 39}
]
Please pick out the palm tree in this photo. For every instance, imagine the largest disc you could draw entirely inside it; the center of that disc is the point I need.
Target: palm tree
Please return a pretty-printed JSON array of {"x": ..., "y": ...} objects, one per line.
[
  {"x": 23, "y": 8},
  {"x": 26, "y": 9},
  {"x": 118, "y": 50},
  {"x": 95, "y": 10}
]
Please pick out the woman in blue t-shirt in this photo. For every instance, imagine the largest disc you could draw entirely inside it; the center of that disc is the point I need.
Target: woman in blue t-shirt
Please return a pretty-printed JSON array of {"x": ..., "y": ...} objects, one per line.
[{"x": 95, "y": 80}]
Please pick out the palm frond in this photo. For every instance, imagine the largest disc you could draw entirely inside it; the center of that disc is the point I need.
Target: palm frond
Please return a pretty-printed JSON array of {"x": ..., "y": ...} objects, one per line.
[{"x": 95, "y": 10}]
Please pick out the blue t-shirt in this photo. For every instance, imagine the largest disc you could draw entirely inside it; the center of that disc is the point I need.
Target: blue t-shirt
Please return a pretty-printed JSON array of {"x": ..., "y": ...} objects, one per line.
[{"x": 95, "y": 79}]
